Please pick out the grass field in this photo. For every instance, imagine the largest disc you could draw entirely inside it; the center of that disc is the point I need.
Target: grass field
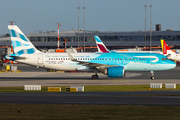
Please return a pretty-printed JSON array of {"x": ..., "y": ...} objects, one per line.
[
  {"x": 95, "y": 88},
  {"x": 88, "y": 112}
]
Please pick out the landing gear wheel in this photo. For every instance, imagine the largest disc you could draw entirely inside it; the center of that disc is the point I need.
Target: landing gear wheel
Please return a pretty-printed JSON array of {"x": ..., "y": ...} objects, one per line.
[
  {"x": 152, "y": 75},
  {"x": 152, "y": 78},
  {"x": 94, "y": 77}
]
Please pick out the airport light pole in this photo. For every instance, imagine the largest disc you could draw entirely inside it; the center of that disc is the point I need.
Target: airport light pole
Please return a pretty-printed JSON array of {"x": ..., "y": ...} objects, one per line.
[
  {"x": 150, "y": 22},
  {"x": 78, "y": 23},
  {"x": 145, "y": 23},
  {"x": 84, "y": 26},
  {"x": 58, "y": 34},
  {"x": 178, "y": 24}
]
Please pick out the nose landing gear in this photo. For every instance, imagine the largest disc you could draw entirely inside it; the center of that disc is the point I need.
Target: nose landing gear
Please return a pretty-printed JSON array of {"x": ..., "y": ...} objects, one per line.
[{"x": 152, "y": 75}]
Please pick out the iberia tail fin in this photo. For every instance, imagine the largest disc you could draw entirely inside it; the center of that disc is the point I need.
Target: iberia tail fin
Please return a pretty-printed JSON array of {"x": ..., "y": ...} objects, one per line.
[{"x": 165, "y": 48}]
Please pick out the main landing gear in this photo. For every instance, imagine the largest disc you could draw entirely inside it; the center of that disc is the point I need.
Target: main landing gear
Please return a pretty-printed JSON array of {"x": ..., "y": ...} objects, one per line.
[
  {"x": 152, "y": 75},
  {"x": 94, "y": 76}
]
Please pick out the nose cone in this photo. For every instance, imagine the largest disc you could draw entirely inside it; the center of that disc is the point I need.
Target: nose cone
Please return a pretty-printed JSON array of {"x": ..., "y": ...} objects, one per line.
[{"x": 171, "y": 64}]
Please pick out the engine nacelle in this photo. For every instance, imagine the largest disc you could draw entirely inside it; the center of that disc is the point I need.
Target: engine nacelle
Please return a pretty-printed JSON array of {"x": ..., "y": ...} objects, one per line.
[{"x": 115, "y": 72}]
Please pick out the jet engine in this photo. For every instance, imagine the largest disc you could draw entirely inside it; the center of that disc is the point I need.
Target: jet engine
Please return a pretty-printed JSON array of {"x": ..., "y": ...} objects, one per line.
[{"x": 115, "y": 71}]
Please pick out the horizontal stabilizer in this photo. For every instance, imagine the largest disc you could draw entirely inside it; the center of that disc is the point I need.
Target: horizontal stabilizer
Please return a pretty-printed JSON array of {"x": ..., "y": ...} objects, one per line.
[{"x": 14, "y": 57}]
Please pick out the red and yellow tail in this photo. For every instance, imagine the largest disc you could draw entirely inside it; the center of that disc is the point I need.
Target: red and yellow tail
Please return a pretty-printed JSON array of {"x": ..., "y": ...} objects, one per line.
[{"x": 165, "y": 47}]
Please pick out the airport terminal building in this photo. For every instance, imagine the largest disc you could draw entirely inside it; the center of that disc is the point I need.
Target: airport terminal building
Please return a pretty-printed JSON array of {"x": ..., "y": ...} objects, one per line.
[{"x": 113, "y": 40}]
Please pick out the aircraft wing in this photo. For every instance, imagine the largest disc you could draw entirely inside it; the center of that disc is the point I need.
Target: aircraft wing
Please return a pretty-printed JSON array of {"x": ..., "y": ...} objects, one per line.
[{"x": 90, "y": 64}]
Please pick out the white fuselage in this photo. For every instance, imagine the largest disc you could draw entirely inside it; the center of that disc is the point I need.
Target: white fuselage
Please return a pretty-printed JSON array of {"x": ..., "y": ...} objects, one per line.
[{"x": 131, "y": 62}]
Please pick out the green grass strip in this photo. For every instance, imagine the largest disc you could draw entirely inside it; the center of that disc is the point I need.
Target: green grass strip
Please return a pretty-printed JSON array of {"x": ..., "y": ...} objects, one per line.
[
  {"x": 93, "y": 88},
  {"x": 87, "y": 112}
]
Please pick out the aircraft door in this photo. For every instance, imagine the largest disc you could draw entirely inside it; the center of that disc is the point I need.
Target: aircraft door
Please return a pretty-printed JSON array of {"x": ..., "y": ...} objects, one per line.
[
  {"x": 152, "y": 60},
  {"x": 40, "y": 59}
]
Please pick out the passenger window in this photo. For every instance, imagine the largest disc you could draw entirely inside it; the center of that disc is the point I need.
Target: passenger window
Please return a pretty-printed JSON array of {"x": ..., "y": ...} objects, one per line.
[
  {"x": 162, "y": 59},
  {"x": 165, "y": 59}
]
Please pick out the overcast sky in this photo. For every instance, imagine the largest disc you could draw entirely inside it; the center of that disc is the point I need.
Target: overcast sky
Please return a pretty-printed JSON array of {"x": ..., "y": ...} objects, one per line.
[{"x": 103, "y": 15}]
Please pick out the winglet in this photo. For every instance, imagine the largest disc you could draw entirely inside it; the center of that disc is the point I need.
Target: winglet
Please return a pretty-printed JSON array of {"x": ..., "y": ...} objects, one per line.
[
  {"x": 101, "y": 47},
  {"x": 71, "y": 57}
]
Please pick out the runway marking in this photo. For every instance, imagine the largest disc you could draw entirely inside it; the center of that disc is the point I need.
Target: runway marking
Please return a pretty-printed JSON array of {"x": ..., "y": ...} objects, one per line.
[{"x": 121, "y": 81}]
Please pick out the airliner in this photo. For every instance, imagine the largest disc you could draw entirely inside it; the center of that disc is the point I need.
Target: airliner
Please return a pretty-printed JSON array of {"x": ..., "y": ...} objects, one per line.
[
  {"x": 168, "y": 52},
  {"x": 113, "y": 64}
]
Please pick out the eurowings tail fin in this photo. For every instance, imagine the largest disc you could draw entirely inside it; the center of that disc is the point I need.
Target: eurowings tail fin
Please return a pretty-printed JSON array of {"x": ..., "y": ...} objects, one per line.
[
  {"x": 101, "y": 47},
  {"x": 21, "y": 44}
]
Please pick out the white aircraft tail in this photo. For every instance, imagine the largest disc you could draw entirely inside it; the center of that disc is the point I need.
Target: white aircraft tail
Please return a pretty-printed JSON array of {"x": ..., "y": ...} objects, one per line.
[{"x": 21, "y": 44}]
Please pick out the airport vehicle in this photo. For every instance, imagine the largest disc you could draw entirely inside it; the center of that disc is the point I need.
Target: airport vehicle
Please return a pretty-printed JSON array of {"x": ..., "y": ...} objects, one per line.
[
  {"x": 113, "y": 64},
  {"x": 168, "y": 52}
]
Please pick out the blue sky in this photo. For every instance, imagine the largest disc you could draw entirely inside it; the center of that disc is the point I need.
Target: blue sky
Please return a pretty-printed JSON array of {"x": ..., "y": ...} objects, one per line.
[{"x": 102, "y": 15}]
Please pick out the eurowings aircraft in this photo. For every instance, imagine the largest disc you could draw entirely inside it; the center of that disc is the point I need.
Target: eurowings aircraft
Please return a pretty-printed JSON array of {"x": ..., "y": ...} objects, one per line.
[
  {"x": 100, "y": 45},
  {"x": 102, "y": 48},
  {"x": 112, "y": 64},
  {"x": 168, "y": 52}
]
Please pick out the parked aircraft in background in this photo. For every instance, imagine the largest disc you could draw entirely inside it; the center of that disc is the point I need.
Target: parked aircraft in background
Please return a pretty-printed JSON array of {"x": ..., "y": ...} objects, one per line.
[
  {"x": 113, "y": 64},
  {"x": 168, "y": 52},
  {"x": 100, "y": 45}
]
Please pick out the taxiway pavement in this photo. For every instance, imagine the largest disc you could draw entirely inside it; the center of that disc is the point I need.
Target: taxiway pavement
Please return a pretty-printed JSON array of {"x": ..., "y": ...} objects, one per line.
[{"x": 35, "y": 76}]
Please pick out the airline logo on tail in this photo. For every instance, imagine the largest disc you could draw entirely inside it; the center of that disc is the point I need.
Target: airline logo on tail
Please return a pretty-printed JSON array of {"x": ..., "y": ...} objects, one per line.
[
  {"x": 165, "y": 47},
  {"x": 101, "y": 47},
  {"x": 20, "y": 43}
]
